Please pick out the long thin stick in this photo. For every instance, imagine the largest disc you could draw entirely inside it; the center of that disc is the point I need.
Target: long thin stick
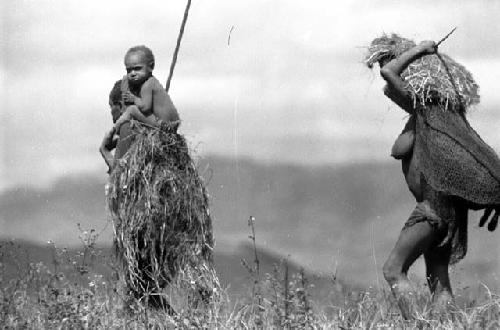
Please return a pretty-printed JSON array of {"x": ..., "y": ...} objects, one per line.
[
  {"x": 178, "y": 45},
  {"x": 446, "y": 36}
]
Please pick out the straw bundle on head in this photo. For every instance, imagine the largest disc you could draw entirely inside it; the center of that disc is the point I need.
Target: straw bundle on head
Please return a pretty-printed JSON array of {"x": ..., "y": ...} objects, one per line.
[
  {"x": 160, "y": 212},
  {"x": 431, "y": 79}
]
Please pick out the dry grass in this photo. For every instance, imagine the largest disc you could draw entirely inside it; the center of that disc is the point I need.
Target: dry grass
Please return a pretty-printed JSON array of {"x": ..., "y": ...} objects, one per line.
[
  {"x": 160, "y": 212},
  {"x": 48, "y": 297},
  {"x": 430, "y": 79}
]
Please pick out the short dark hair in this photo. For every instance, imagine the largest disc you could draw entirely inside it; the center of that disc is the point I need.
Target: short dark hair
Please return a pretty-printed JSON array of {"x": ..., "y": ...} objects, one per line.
[
  {"x": 148, "y": 54},
  {"x": 115, "y": 96}
]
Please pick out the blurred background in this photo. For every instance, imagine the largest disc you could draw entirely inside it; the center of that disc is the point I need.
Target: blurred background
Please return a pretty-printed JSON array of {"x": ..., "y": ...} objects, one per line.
[{"x": 286, "y": 122}]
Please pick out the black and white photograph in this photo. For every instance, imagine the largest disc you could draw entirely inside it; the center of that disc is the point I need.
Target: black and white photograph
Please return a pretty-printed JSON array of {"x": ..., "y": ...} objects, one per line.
[{"x": 266, "y": 164}]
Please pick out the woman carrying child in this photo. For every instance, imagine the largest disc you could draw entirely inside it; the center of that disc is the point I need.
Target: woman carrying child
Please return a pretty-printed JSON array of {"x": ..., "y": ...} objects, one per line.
[{"x": 157, "y": 200}]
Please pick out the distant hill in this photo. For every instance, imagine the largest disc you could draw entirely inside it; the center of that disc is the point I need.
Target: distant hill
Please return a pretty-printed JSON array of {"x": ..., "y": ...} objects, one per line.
[
  {"x": 15, "y": 256},
  {"x": 342, "y": 218}
]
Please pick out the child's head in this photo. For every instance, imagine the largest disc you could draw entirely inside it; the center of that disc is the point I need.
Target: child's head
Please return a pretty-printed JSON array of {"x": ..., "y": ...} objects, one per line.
[{"x": 139, "y": 63}]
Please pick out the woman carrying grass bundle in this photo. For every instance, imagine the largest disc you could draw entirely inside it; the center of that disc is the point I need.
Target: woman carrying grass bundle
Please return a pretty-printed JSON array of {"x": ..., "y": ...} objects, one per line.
[
  {"x": 447, "y": 166},
  {"x": 157, "y": 200}
]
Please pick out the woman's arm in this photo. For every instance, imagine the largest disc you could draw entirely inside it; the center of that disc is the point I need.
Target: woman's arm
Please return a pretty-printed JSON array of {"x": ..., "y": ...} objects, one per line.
[
  {"x": 401, "y": 97},
  {"x": 391, "y": 72},
  {"x": 108, "y": 143}
]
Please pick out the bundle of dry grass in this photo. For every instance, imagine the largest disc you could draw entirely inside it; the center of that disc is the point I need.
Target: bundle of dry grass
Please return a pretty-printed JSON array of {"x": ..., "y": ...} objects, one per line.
[
  {"x": 432, "y": 78},
  {"x": 159, "y": 206}
]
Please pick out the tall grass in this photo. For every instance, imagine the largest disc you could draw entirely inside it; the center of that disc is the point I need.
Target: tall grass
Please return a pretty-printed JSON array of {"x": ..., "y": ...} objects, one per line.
[{"x": 68, "y": 293}]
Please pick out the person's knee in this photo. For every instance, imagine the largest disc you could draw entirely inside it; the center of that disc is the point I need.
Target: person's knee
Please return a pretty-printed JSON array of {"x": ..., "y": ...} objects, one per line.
[
  {"x": 392, "y": 271},
  {"x": 132, "y": 109}
]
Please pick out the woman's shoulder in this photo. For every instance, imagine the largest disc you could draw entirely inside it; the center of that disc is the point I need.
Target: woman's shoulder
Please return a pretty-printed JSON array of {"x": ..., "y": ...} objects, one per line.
[{"x": 402, "y": 99}]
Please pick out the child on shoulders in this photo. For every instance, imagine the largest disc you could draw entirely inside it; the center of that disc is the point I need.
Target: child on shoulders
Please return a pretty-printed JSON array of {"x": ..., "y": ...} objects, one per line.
[{"x": 143, "y": 98}]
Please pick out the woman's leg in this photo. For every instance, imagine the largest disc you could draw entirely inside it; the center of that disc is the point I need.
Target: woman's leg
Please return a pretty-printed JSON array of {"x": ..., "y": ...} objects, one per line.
[
  {"x": 437, "y": 262},
  {"x": 413, "y": 241}
]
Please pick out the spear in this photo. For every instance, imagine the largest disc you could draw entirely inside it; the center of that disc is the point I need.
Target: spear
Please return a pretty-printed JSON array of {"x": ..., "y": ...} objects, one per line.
[
  {"x": 446, "y": 36},
  {"x": 178, "y": 45},
  {"x": 450, "y": 76}
]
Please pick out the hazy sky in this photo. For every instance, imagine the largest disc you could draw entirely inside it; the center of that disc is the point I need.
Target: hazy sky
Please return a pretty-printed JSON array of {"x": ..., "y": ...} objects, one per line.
[{"x": 290, "y": 85}]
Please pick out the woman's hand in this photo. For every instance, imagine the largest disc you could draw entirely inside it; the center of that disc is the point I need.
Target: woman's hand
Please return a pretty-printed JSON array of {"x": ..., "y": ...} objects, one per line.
[{"x": 428, "y": 47}]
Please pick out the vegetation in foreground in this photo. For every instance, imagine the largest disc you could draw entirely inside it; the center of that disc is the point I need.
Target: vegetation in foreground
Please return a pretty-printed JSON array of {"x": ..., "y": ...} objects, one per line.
[{"x": 70, "y": 294}]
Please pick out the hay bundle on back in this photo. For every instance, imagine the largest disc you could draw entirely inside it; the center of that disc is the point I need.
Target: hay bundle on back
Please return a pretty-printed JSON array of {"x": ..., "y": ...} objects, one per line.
[
  {"x": 160, "y": 212},
  {"x": 432, "y": 78}
]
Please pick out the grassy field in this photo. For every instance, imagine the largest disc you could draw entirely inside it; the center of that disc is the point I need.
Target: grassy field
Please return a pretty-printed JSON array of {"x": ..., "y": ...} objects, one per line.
[
  {"x": 80, "y": 289},
  {"x": 333, "y": 221}
]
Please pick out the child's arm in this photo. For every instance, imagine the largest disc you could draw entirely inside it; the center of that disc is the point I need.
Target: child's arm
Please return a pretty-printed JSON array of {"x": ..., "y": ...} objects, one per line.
[
  {"x": 391, "y": 72},
  {"x": 145, "y": 101},
  {"x": 153, "y": 104}
]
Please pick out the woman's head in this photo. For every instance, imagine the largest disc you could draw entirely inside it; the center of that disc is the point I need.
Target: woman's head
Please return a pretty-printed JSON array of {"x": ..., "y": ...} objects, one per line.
[
  {"x": 433, "y": 79},
  {"x": 115, "y": 99},
  {"x": 385, "y": 48}
]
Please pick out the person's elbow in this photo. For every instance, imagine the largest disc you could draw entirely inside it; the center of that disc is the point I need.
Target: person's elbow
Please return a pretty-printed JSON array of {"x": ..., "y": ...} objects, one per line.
[
  {"x": 102, "y": 151},
  {"x": 145, "y": 109},
  {"x": 388, "y": 91},
  {"x": 385, "y": 73}
]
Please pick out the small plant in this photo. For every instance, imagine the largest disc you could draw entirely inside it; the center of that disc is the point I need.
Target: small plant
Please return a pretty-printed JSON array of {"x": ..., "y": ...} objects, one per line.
[
  {"x": 60, "y": 296},
  {"x": 89, "y": 253},
  {"x": 279, "y": 300}
]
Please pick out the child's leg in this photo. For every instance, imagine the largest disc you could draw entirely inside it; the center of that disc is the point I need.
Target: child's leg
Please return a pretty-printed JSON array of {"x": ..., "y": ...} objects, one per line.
[
  {"x": 125, "y": 117},
  {"x": 133, "y": 112}
]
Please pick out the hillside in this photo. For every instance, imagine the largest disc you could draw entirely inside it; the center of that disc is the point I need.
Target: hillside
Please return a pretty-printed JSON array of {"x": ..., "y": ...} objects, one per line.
[
  {"x": 15, "y": 255},
  {"x": 340, "y": 219}
]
